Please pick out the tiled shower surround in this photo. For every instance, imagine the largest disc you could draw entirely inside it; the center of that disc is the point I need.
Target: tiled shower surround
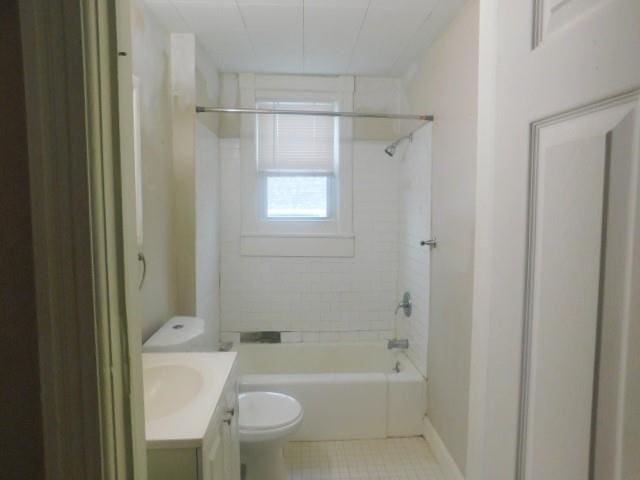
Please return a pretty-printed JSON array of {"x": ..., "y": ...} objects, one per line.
[
  {"x": 317, "y": 299},
  {"x": 339, "y": 299},
  {"x": 414, "y": 259}
]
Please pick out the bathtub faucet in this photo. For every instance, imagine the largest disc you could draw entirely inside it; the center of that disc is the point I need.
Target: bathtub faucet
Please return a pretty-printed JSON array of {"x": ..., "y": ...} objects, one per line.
[{"x": 395, "y": 343}]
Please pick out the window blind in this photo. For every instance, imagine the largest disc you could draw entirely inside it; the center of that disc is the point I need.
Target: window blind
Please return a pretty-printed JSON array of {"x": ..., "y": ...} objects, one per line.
[{"x": 296, "y": 143}]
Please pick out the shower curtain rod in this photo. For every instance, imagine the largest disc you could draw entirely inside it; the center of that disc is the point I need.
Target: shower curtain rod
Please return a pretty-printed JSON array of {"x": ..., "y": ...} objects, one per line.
[{"x": 389, "y": 116}]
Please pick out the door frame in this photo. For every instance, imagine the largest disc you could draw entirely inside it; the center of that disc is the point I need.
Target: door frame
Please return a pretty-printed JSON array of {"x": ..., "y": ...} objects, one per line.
[
  {"x": 483, "y": 243},
  {"x": 74, "y": 59}
]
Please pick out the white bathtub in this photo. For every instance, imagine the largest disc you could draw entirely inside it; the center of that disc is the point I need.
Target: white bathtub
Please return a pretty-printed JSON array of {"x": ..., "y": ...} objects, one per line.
[{"x": 347, "y": 390}]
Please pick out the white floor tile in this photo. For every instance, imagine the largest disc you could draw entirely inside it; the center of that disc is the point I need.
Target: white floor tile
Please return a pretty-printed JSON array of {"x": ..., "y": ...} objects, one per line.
[{"x": 384, "y": 459}]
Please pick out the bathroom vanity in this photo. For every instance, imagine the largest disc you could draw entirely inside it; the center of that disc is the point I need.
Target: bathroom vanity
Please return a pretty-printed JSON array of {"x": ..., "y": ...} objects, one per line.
[{"x": 191, "y": 416}]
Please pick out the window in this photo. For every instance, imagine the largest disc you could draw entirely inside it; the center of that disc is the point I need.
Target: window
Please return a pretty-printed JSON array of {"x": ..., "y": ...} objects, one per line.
[
  {"x": 297, "y": 159},
  {"x": 297, "y": 197},
  {"x": 296, "y": 170}
]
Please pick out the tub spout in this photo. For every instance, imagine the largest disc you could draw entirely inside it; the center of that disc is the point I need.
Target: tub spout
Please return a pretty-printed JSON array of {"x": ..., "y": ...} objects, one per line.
[{"x": 395, "y": 343}]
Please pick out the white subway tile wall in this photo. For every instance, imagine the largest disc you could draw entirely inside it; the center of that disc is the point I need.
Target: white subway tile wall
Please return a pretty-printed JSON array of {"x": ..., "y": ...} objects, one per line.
[
  {"x": 316, "y": 299},
  {"x": 414, "y": 260}
]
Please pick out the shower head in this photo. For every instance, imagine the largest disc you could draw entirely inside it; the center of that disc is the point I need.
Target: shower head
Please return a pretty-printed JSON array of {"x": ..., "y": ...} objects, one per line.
[{"x": 391, "y": 149}]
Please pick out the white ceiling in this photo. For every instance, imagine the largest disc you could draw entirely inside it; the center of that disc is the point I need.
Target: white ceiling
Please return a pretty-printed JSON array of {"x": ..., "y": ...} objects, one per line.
[{"x": 360, "y": 37}]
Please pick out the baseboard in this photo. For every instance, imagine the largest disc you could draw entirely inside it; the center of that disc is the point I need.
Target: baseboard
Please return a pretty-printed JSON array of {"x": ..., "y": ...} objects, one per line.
[{"x": 446, "y": 462}]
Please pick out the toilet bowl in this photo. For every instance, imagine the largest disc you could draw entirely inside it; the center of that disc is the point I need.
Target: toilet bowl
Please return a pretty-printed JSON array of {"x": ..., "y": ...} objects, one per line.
[{"x": 265, "y": 422}]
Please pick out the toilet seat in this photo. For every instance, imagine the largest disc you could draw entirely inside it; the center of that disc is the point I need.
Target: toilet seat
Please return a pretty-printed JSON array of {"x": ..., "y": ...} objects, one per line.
[{"x": 267, "y": 415}]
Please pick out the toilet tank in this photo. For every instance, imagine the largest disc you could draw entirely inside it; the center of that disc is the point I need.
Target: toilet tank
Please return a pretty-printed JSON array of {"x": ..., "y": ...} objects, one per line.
[{"x": 180, "y": 334}]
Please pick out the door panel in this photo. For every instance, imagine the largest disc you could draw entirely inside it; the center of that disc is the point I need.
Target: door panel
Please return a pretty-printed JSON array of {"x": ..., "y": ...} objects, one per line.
[
  {"x": 582, "y": 177},
  {"x": 612, "y": 415},
  {"x": 565, "y": 308},
  {"x": 554, "y": 15}
]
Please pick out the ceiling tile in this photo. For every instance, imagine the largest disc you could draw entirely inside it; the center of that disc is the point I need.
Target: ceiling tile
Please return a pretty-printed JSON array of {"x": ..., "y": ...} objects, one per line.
[
  {"x": 233, "y": 50},
  {"x": 337, "y": 3},
  {"x": 276, "y": 35},
  {"x": 441, "y": 15},
  {"x": 419, "y": 7},
  {"x": 168, "y": 16},
  {"x": 213, "y": 3},
  {"x": 271, "y": 3},
  {"x": 210, "y": 17},
  {"x": 363, "y": 37},
  {"x": 381, "y": 41},
  {"x": 386, "y": 33},
  {"x": 330, "y": 32},
  {"x": 281, "y": 18}
]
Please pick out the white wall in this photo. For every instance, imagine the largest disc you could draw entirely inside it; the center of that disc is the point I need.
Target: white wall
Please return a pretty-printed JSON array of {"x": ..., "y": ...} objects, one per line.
[
  {"x": 183, "y": 100},
  {"x": 182, "y": 256},
  {"x": 151, "y": 67},
  {"x": 207, "y": 230},
  {"x": 379, "y": 95},
  {"x": 371, "y": 95},
  {"x": 317, "y": 299},
  {"x": 444, "y": 83},
  {"x": 207, "y": 198},
  {"x": 414, "y": 169},
  {"x": 197, "y": 183}
]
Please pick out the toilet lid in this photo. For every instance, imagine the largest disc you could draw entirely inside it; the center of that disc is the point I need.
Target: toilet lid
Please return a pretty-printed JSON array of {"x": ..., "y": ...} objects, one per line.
[{"x": 267, "y": 410}]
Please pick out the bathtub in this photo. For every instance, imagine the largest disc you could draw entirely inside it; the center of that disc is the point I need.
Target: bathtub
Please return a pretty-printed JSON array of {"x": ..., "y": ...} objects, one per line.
[{"x": 347, "y": 390}]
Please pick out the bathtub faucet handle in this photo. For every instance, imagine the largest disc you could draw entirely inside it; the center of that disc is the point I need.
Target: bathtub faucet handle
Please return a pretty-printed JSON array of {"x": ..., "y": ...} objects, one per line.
[{"x": 405, "y": 304}]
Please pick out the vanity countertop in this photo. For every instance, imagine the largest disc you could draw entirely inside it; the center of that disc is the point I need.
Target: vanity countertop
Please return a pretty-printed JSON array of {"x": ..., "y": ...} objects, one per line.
[{"x": 182, "y": 391}]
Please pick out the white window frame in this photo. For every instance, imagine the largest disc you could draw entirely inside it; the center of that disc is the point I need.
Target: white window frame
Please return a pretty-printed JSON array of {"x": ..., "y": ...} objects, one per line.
[{"x": 261, "y": 236}]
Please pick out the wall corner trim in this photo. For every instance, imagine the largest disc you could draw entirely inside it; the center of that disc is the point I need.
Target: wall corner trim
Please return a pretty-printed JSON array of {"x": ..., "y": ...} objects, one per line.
[{"x": 448, "y": 466}]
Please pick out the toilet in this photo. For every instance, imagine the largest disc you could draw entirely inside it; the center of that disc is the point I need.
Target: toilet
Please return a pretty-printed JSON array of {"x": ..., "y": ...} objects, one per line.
[{"x": 267, "y": 420}]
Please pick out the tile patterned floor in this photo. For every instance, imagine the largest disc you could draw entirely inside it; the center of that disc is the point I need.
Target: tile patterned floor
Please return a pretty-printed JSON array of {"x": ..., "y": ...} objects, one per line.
[{"x": 385, "y": 459}]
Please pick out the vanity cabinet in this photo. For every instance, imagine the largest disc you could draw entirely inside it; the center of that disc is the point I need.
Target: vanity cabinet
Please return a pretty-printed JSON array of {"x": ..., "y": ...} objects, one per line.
[{"x": 214, "y": 457}]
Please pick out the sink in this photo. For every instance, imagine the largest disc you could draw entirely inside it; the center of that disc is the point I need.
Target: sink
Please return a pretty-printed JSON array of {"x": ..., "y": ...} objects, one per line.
[
  {"x": 181, "y": 394},
  {"x": 169, "y": 388}
]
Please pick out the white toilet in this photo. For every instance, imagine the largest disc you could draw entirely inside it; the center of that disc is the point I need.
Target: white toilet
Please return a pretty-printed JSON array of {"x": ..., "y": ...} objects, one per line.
[{"x": 266, "y": 421}]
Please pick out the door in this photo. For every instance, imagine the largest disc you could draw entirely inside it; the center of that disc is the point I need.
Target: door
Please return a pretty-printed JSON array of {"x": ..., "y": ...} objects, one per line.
[
  {"x": 131, "y": 241},
  {"x": 555, "y": 384}
]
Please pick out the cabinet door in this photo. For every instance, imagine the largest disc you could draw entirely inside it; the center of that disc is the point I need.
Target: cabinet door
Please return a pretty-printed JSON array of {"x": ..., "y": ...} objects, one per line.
[
  {"x": 169, "y": 464},
  {"x": 231, "y": 443},
  {"x": 213, "y": 467}
]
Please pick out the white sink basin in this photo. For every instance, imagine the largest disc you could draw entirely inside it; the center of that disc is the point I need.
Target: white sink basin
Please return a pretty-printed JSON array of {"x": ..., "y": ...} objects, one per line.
[
  {"x": 181, "y": 394},
  {"x": 169, "y": 388}
]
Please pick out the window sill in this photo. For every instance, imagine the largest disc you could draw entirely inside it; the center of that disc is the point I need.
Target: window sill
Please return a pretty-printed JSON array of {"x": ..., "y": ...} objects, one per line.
[{"x": 297, "y": 245}]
